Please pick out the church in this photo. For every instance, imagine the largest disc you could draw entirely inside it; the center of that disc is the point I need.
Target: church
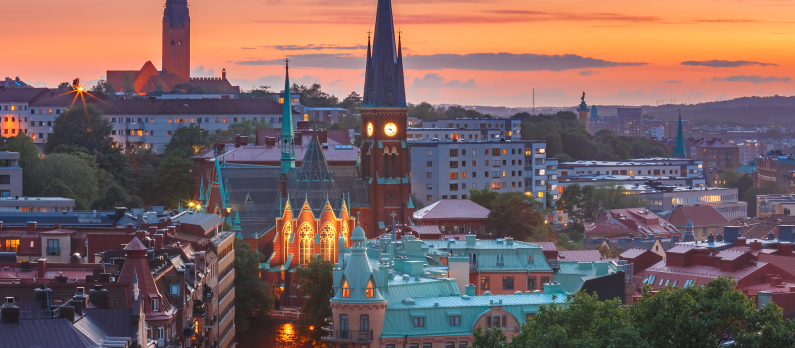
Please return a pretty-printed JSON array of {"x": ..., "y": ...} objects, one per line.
[
  {"x": 176, "y": 60},
  {"x": 293, "y": 214}
]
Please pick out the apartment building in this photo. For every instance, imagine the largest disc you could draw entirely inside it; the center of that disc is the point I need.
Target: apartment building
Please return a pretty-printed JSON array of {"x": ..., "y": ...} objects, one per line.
[
  {"x": 630, "y": 121},
  {"x": 507, "y": 128},
  {"x": 668, "y": 171}
]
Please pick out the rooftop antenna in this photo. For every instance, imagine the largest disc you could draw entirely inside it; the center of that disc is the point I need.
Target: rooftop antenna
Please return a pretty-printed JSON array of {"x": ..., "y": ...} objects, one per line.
[{"x": 534, "y": 101}]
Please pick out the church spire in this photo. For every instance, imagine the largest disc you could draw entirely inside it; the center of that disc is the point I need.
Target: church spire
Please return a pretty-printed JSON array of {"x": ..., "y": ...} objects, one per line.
[
  {"x": 287, "y": 141},
  {"x": 680, "y": 151},
  {"x": 384, "y": 87}
]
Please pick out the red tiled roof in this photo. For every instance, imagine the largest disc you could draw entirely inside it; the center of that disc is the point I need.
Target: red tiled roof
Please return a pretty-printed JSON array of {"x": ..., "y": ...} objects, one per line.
[
  {"x": 580, "y": 255},
  {"x": 638, "y": 221},
  {"x": 633, "y": 253},
  {"x": 701, "y": 215},
  {"x": 452, "y": 209},
  {"x": 681, "y": 249},
  {"x": 546, "y": 246},
  {"x": 785, "y": 263},
  {"x": 428, "y": 230}
]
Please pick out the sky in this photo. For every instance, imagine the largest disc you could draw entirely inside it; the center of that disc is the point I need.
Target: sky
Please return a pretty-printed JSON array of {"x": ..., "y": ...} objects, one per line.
[{"x": 468, "y": 52}]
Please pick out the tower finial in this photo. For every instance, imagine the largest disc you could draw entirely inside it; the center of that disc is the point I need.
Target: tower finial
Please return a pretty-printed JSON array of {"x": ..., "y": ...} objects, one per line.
[{"x": 358, "y": 221}]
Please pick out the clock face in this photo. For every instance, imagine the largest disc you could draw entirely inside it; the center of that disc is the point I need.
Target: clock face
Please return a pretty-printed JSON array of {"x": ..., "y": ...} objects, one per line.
[
  {"x": 390, "y": 129},
  {"x": 369, "y": 129}
]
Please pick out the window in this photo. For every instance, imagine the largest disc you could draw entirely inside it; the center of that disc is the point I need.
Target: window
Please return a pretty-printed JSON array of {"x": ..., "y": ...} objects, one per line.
[
  {"x": 155, "y": 305},
  {"x": 500, "y": 260},
  {"x": 390, "y": 346},
  {"x": 346, "y": 290},
  {"x": 429, "y": 175},
  {"x": 5, "y": 179},
  {"x": 454, "y": 176},
  {"x": 455, "y": 320},
  {"x": 12, "y": 245},
  {"x": 531, "y": 283},
  {"x": 463, "y": 344},
  {"x": 449, "y": 345},
  {"x": 429, "y": 198},
  {"x": 495, "y": 186},
  {"x": 453, "y": 152},
  {"x": 5, "y": 193},
  {"x": 414, "y": 345},
  {"x": 364, "y": 323},
  {"x": 169, "y": 133},
  {"x": 544, "y": 280},
  {"x": 370, "y": 291},
  {"x": 507, "y": 283},
  {"x": 453, "y": 164},
  {"x": 484, "y": 283},
  {"x": 53, "y": 247},
  {"x": 419, "y": 322},
  {"x": 429, "y": 152},
  {"x": 429, "y": 164},
  {"x": 429, "y": 186},
  {"x": 427, "y": 345},
  {"x": 453, "y": 187},
  {"x": 343, "y": 326}
]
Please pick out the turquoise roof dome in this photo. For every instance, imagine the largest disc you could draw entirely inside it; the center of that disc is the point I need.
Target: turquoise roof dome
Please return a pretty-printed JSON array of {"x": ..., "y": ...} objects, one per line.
[{"x": 358, "y": 233}]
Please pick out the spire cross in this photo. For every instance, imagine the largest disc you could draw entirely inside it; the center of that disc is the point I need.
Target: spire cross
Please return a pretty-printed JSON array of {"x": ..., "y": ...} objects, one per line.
[
  {"x": 393, "y": 215},
  {"x": 368, "y": 32},
  {"x": 287, "y": 62}
]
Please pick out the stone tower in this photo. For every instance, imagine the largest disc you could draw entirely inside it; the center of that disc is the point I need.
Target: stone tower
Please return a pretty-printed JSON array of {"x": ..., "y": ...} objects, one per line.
[
  {"x": 176, "y": 42},
  {"x": 384, "y": 151}
]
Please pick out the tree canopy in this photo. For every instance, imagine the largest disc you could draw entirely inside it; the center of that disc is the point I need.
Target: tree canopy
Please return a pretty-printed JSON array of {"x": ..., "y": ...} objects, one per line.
[
  {"x": 252, "y": 296},
  {"x": 316, "y": 280}
]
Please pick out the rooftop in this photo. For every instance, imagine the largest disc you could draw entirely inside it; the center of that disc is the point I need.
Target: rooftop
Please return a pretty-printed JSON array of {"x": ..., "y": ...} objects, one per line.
[{"x": 453, "y": 209}]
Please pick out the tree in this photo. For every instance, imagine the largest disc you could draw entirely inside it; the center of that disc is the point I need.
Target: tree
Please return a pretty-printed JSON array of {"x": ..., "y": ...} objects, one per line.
[
  {"x": 765, "y": 188},
  {"x": 246, "y": 128},
  {"x": 128, "y": 87},
  {"x": 314, "y": 96},
  {"x": 188, "y": 140},
  {"x": 73, "y": 172},
  {"x": 424, "y": 111},
  {"x": 352, "y": 102},
  {"x": 82, "y": 126},
  {"x": 144, "y": 164},
  {"x": 491, "y": 337},
  {"x": 517, "y": 215},
  {"x": 105, "y": 88},
  {"x": 261, "y": 92},
  {"x": 252, "y": 296},
  {"x": 576, "y": 201},
  {"x": 66, "y": 86},
  {"x": 317, "y": 281},
  {"x": 29, "y": 159},
  {"x": 188, "y": 88},
  {"x": 115, "y": 196},
  {"x": 483, "y": 197},
  {"x": 175, "y": 181}
]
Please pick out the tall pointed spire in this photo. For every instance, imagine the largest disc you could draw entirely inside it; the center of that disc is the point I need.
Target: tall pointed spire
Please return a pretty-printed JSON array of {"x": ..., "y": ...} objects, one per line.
[
  {"x": 680, "y": 151},
  {"x": 287, "y": 141},
  {"x": 384, "y": 87}
]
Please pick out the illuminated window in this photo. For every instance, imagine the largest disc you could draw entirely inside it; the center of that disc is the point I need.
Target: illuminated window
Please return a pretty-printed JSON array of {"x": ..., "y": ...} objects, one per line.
[
  {"x": 140, "y": 132},
  {"x": 327, "y": 234},
  {"x": 495, "y": 186},
  {"x": 224, "y": 119},
  {"x": 288, "y": 231},
  {"x": 346, "y": 290},
  {"x": 370, "y": 291},
  {"x": 541, "y": 194},
  {"x": 13, "y": 107},
  {"x": 12, "y": 244},
  {"x": 307, "y": 239},
  {"x": 49, "y": 111}
]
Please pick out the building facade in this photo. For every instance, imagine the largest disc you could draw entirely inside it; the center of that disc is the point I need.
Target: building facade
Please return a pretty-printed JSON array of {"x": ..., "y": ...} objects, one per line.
[
  {"x": 496, "y": 127},
  {"x": 669, "y": 171},
  {"x": 630, "y": 121}
]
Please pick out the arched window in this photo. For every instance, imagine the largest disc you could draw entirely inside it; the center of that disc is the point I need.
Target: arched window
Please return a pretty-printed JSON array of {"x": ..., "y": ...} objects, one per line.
[
  {"x": 346, "y": 290},
  {"x": 307, "y": 234},
  {"x": 344, "y": 233},
  {"x": 288, "y": 231},
  {"x": 370, "y": 289},
  {"x": 327, "y": 234},
  {"x": 394, "y": 165}
]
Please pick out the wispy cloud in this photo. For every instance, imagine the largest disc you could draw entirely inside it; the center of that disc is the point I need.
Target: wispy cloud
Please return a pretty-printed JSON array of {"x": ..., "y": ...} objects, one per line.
[
  {"x": 313, "y": 47},
  {"x": 248, "y": 48},
  {"x": 434, "y": 81},
  {"x": 475, "y": 61},
  {"x": 200, "y": 72},
  {"x": 755, "y": 79},
  {"x": 725, "y": 63},
  {"x": 588, "y": 72},
  {"x": 672, "y": 81}
]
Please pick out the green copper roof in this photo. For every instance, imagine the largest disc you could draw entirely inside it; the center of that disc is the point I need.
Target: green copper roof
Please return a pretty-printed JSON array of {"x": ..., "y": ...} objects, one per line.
[{"x": 680, "y": 150}]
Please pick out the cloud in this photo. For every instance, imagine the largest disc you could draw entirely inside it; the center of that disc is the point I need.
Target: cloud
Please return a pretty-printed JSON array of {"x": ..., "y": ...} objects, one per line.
[
  {"x": 475, "y": 61},
  {"x": 755, "y": 79},
  {"x": 199, "y": 72},
  {"x": 313, "y": 47},
  {"x": 248, "y": 48},
  {"x": 434, "y": 81},
  {"x": 588, "y": 72},
  {"x": 725, "y": 63},
  {"x": 672, "y": 81}
]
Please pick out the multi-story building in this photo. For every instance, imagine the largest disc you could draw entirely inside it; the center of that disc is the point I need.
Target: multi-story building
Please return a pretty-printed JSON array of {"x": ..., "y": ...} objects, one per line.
[
  {"x": 10, "y": 175},
  {"x": 630, "y": 121},
  {"x": 672, "y": 126},
  {"x": 507, "y": 128},
  {"x": 435, "y": 134},
  {"x": 749, "y": 149},
  {"x": 774, "y": 204},
  {"x": 775, "y": 166},
  {"x": 669, "y": 171},
  {"x": 655, "y": 129},
  {"x": 449, "y": 169}
]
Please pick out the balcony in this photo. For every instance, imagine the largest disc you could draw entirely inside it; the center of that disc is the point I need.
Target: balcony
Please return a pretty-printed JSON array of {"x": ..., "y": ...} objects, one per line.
[
  {"x": 348, "y": 336},
  {"x": 54, "y": 250},
  {"x": 473, "y": 266}
]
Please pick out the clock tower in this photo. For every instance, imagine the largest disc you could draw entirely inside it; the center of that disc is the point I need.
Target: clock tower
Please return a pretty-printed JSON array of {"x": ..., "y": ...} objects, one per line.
[{"x": 384, "y": 150}]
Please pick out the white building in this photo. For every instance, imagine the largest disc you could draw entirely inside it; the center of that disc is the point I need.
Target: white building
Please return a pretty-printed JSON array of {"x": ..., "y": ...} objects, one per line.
[
  {"x": 507, "y": 128},
  {"x": 668, "y": 171}
]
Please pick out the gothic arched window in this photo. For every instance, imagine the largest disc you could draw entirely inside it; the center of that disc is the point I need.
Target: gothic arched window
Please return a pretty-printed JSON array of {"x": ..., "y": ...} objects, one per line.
[
  {"x": 370, "y": 289},
  {"x": 288, "y": 231},
  {"x": 307, "y": 234},
  {"x": 344, "y": 233},
  {"x": 327, "y": 235}
]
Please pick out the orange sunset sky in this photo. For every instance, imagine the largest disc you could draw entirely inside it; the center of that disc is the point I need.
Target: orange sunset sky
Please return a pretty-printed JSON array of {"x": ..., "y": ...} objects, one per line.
[{"x": 471, "y": 52}]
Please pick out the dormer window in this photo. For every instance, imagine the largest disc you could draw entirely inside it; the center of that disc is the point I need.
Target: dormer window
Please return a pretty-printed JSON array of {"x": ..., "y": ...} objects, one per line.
[
  {"x": 370, "y": 289},
  {"x": 155, "y": 305},
  {"x": 346, "y": 290}
]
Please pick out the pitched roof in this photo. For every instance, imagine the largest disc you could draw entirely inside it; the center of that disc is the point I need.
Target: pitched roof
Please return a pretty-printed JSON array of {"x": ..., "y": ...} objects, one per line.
[
  {"x": 621, "y": 222},
  {"x": 633, "y": 253},
  {"x": 453, "y": 209},
  {"x": 44, "y": 333},
  {"x": 314, "y": 180},
  {"x": 166, "y": 107},
  {"x": 700, "y": 215},
  {"x": 384, "y": 85},
  {"x": 20, "y": 95},
  {"x": 580, "y": 255}
]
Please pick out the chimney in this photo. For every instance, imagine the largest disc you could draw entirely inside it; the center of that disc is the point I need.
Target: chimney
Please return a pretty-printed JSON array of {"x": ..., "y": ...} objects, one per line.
[
  {"x": 171, "y": 230},
  {"x": 31, "y": 226},
  {"x": 178, "y": 227},
  {"x": 140, "y": 235},
  {"x": 770, "y": 235},
  {"x": 755, "y": 245},
  {"x": 9, "y": 312},
  {"x": 99, "y": 297},
  {"x": 130, "y": 228},
  {"x": 740, "y": 241},
  {"x": 710, "y": 238},
  {"x": 785, "y": 248},
  {"x": 67, "y": 312},
  {"x": 675, "y": 239},
  {"x": 41, "y": 266},
  {"x": 223, "y": 74},
  {"x": 152, "y": 230},
  {"x": 719, "y": 237},
  {"x": 322, "y": 137}
]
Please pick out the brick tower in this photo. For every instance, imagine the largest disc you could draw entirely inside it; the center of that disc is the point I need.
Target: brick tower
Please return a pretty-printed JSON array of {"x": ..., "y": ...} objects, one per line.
[
  {"x": 176, "y": 42},
  {"x": 384, "y": 151}
]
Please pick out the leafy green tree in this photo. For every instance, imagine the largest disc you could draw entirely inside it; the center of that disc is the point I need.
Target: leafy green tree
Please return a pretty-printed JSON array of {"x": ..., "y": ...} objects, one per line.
[
  {"x": 576, "y": 202},
  {"x": 58, "y": 188},
  {"x": 29, "y": 159},
  {"x": 491, "y": 337},
  {"x": 74, "y": 172},
  {"x": 261, "y": 92},
  {"x": 144, "y": 164},
  {"x": 175, "y": 181},
  {"x": 188, "y": 88},
  {"x": 105, "y": 88},
  {"x": 82, "y": 126},
  {"x": 352, "y": 102},
  {"x": 252, "y": 296},
  {"x": 314, "y": 96},
  {"x": 66, "y": 86},
  {"x": 191, "y": 140},
  {"x": 128, "y": 87},
  {"x": 765, "y": 188},
  {"x": 517, "y": 216},
  {"x": 115, "y": 196},
  {"x": 424, "y": 111},
  {"x": 483, "y": 197},
  {"x": 317, "y": 281}
]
